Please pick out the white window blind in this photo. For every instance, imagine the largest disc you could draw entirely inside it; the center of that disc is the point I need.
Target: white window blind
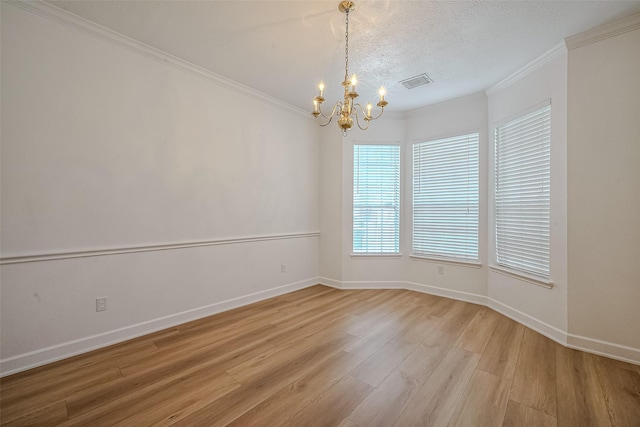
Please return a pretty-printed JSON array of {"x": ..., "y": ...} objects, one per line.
[
  {"x": 445, "y": 197},
  {"x": 522, "y": 179},
  {"x": 376, "y": 199}
]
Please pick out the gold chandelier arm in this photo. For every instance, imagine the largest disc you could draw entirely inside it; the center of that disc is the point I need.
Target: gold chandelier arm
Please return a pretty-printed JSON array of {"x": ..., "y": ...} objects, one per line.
[
  {"x": 337, "y": 106},
  {"x": 368, "y": 122},
  {"x": 355, "y": 113},
  {"x": 364, "y": 114},
  {"x": 324, "y": 124},
  {"x": 378, "y": 116},
  {"x": 355, "y": 109}
]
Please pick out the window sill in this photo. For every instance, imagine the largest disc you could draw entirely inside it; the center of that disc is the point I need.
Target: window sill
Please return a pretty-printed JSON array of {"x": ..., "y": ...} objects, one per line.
[
  {"x": 376, "y": 255},
  {"x": 471, "y": 264},
  {"x": 548, "y": 284}
]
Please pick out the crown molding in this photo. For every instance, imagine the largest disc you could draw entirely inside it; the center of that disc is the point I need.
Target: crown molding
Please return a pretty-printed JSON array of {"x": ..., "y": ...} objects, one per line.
[
  {"x": 90, "y": 28},
  {"x": 550, "y": 55},
  {"x": 612, "y": 29}
]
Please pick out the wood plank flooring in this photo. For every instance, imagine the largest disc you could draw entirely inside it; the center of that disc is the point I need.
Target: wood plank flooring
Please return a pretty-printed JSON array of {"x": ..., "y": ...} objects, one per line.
[{"x": 327, "y": 357}]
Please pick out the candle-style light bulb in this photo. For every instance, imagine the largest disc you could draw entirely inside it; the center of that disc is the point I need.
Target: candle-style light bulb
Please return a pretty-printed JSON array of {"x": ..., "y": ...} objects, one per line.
[
  {"x": 369, "y": 109},
  {"x": 382, "y": 93},
  {"x": 354, "y": 82},
  {"x": 321, "y": 87}
]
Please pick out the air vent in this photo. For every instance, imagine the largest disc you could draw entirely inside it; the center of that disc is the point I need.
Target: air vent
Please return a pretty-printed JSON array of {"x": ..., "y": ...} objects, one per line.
[{"x": 416, "y": 81}]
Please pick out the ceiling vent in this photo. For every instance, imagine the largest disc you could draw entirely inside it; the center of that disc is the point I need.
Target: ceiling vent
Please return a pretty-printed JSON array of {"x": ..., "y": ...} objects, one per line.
[{"x": 416, "y": 81}]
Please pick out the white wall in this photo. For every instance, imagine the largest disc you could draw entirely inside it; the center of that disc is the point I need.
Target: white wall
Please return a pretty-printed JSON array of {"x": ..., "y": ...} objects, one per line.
[
  {"x": 108, "y": 147},
  {"x": 604, "y": 193},
  {"x": 538, "y": 307},
  {"x": 331, "y": 217}
]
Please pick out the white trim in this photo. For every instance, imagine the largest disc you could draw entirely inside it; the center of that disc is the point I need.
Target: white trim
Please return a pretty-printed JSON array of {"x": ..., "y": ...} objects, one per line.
[
  {"x": 590, "y": 345},
  {"x": 365, "y": 142},
  {"x": 540, "y": 105},
  {"x": 436, "y": 260},
  {"x": 448, "y": 293},
  {"x": 552, "y": 54},
  {"x": 83, "y": 25},
  {"x": 604, "y": 348},
  {"x": 548, "y": 284},
  {"x": 51, "y": 354},
  {"x": 375, "y": 255},
  {"x": 372, "y": 285},
  {"x": 602, "y": 32},
  {"x": 330, "y": 282},
  {"x": 530, "y": 322},
  {"x": 409, "y": 286},
  {"x": 36, "y": 257},
  {"x": 446, "y": 135},
  {"x": 54, "y": 353}
]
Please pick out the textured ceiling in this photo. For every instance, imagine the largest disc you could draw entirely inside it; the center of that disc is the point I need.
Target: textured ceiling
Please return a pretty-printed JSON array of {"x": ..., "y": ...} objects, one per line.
[{"x": 284, "y": 48}]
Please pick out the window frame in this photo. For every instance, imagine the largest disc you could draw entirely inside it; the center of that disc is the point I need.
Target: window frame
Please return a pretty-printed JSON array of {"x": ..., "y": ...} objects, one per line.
[
  {"x": 468, "y": 140},
  {"x": 358, "y": 252},
  {"x": 505, "y": 267}
]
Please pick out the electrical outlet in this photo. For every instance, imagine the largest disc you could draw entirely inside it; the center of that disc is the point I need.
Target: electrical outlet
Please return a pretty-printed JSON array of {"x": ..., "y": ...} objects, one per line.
[
  {"x": 283, "y": 268},
  {"x": 440, "y": 269},
  {"x": 101, "y": 304}
]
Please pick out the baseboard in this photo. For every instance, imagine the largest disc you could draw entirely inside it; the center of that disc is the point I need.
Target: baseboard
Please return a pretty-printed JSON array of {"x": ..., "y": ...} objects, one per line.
[
  {"x": 410, "y": 286},
  {"x": 589, "y": 345},
  {"x": 51, "y": 354},
  {"x": 447, "y": 293},
  {"x": 372, "y": 285},
  {"x": 330, "y": 282},
  {"x": 604, "y": 348},
  {"x": 530, "y": 322}
]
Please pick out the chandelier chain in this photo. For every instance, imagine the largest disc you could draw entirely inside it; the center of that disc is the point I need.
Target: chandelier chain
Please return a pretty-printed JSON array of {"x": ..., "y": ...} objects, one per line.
[{"x": 346, "y": 47}]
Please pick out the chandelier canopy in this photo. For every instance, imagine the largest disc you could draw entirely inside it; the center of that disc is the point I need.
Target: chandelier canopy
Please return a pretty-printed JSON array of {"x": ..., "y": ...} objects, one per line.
[{"x": 346, "y": 110}]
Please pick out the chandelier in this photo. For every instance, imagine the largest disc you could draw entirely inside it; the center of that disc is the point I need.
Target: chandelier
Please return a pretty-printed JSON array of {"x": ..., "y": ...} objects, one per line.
[{"x": 347, "y": 109}]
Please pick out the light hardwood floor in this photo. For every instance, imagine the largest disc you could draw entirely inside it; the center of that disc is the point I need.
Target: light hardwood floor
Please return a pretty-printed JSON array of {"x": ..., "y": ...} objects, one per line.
[{"x": 326, "y": 357}]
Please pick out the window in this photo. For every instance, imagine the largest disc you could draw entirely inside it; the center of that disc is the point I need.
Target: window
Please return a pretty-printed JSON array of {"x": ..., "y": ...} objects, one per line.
[
  {"x": 522, "y": 179},
  {"x": 376, "y": 199},
  {"x": 445, "y": 198}
]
